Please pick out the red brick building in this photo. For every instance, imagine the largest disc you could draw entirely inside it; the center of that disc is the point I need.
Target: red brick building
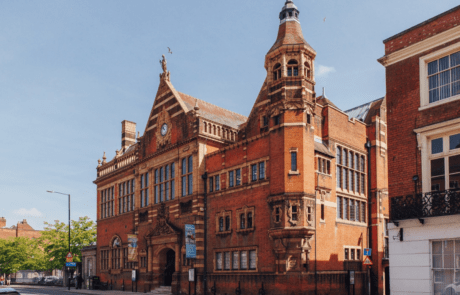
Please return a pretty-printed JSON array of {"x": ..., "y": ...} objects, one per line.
[
  {"x": 21, "y": 229},
  {"x": 423, "y": 98},
  {"x": 285, "y": 190}
]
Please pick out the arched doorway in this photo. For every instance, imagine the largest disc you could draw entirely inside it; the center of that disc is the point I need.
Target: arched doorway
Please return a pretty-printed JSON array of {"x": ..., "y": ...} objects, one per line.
[{"x": 167, "y": 266}]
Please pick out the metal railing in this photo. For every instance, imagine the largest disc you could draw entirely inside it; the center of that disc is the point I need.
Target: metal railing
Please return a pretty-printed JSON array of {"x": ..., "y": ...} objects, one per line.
[{"x": 418, "y": 206}]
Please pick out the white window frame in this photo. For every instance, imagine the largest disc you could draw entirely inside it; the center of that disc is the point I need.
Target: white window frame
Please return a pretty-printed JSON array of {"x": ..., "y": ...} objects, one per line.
[
  {"x": 424, "y": 137},
  {"x": 424, "y": 85}
]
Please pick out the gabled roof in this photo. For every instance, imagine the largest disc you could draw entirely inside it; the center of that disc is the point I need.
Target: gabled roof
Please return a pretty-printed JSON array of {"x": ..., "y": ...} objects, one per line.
[
  {"x": 323, "y": 100},
  {"x": 366, "y": 111},
  {"x": 213, "y": 112}
]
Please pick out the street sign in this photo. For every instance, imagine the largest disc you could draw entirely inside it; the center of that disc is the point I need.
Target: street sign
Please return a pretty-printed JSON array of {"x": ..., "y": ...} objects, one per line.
[
  {"x": 352, "y": 277},
  {"x": 367, "y": 261},
  {"x": 133, "y": 275},
  {"x": 69, "y": 257},
  {"x": 367, "y": 251},
  {"x": 191, "y": 274},
  {"x": 71, "y": 264}
]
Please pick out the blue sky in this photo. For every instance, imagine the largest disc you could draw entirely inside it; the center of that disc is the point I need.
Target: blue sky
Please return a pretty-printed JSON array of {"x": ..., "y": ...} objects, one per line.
[{"x": 71, "y": 71}]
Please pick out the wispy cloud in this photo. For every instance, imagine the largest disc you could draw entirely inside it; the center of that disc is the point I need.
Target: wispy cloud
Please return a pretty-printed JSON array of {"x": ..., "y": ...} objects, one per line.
[
  {"x": 28, "y": 212},
  {"x": 324, "y": 71}
]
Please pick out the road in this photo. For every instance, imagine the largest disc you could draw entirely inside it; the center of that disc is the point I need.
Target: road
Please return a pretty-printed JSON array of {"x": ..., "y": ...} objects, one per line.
[{"x": 36, "y": 290}]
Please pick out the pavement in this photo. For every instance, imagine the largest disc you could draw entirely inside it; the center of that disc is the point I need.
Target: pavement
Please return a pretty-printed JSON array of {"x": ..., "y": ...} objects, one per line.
[{"x": 32, "y": 290}]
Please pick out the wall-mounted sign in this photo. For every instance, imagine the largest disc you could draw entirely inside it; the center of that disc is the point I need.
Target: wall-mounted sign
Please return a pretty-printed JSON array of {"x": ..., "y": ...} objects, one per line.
[
  {"x": 133, "y": 275},
  {"x": 69, "y": 257},
  {"x": 352, "y": 277},
  {"x": 132, "y": 247},
  {"x": 190, "y": 243},
  {"x": 367, "y": 251},
  {"x": 191, "y": 274}
]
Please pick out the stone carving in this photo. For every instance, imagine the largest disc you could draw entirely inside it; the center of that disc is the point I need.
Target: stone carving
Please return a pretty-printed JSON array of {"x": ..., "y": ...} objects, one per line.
[
  {"x": 163, "y": 227},
  {"x": 294, "y": 217},
  {"x": 163, "y": 118},
  {"x": 291, "y": 263},
  {"x": 165, "y": 74}
]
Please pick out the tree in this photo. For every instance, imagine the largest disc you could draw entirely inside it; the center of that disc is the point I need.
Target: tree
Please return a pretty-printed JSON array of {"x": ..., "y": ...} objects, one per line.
[
  {"x": 20, "y": 253},
  {"x": 55, "y": 240}
]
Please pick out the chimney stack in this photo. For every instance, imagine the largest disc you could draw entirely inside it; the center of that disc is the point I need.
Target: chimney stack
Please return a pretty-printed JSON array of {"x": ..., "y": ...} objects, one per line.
[
  {"x": 2, "y": 222},
  {"x": 128, "y": 134}
]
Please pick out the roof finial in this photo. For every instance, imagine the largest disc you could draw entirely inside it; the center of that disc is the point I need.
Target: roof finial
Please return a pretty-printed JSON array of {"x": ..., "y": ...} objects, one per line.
[
  {"x": 196, "y": 108},
  {"x": 164, "y": 66},
  {"x": 104, "y": 159},
  {"x": 324, "y": 91}
]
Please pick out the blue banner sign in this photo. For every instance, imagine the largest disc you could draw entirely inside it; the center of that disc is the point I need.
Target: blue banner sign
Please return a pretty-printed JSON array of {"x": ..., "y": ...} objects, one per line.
[
  {"x": 190, "y": 243},
  {"x": 367, "y": 251},
  {"x": 71, "y": 264}
]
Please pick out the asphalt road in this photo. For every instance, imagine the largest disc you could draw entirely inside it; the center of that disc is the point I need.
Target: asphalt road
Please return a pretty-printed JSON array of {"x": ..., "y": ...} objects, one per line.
[{"x": 36, "y": 291}]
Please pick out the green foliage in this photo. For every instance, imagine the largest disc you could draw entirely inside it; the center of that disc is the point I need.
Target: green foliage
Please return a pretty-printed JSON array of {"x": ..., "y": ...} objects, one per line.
[
  {"x": 55, "y": 241},
  {"x": 20, "y": 253}
]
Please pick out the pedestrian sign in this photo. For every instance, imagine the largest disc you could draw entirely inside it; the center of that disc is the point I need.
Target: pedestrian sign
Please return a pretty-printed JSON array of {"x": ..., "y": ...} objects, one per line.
[
  {"x": 367, "y": 261},
  {"x": 367, "y": 251},
  {"x": 69, "y": 257}
]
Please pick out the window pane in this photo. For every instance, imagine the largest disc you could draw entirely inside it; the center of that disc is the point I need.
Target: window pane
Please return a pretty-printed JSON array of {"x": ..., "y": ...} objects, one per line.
[
  {"x": 156, "y": 176},
  {"x": 339, "y": 156},
  {"x": 190, "y": 184},
  {"x": 454, "y": 173},
  {"x": 230, "y": 178},
  {"x": 344, "y": 160},
  {"x": 433, "y": 67},
  {"x": 235, "y": 260},
  {"x": 253, "y": 172},
  {"x": 173, "y": 190},
  {"x": 167, "y": 191},
  {"x": 166, "y": 172},
  {"x": 454, "y": 141},
  {"x": 184, "y": 187},
  {"x": 217, "y": 177},
  {"x": 352, "y": 210},
  {"x": 436, "y": 146},
  {"x": 456, "y": 87},
  {"x": 434, "y": 95},
  {"x": 261, "y": 170},
  {"x": 448, "y": 254},
  {"x": 339, "y": 176},
  {"x": 243, "y": 260},
  {"x": 146, "y": 197},
  {"x": 345, "y": 208},
  {"x": 184, "y": 166},
  {"x": 345, "y": 178},
  {"x": 211, "y": 184},
  {"x": 227, "y": 260},
  {"x": 350, "y": 159},
  {"x": 356, "y": 162},
  {"x": 339, "y": 207},
  {"x": 294, "y": 161},
  {"x": 252, "y": 259},
  {"x": 172, "y": 170},
  {"x": 433, "y": 82},
  {"x": 219, "y": 261},
  {"x": 161, "y": 193},
  {"x": 444, "y": 63},
  {"x": 437, "y": 175},
  {"x": 190, "y": 164},
  {"x": 238, "y": 176}
]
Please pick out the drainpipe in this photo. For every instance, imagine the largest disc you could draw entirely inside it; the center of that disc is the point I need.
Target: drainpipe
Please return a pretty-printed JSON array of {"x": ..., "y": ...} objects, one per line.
[
  {"x": 205, "y": 178},
  {"x": 369, "y": 210}
]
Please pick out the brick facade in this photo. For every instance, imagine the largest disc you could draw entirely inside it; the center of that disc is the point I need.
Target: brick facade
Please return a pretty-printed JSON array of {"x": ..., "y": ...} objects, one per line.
[
  {"x": 21, "y": 229},
  {"x": 271, "y": 187}
]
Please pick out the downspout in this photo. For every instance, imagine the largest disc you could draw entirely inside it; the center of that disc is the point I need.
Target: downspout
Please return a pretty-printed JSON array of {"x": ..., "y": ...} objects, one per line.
[
  {"x": 316, "y": 234},
  {"x": 205, "y": 200},
  {"x": 369, "y": 207}
]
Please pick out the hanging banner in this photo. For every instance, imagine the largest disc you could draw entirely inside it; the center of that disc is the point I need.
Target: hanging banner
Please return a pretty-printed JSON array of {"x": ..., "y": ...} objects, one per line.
[
  {"x": 190, "y": 243},
  {"x": 132, "y": 247}
]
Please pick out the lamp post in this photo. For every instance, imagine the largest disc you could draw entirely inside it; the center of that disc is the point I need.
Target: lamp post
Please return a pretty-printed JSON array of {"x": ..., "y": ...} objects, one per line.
[{"x": 68, "y": 281}]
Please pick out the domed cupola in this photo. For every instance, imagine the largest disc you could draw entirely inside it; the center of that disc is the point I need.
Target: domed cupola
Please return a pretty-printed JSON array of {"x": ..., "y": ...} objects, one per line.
[{"x": 289, "y": 12}]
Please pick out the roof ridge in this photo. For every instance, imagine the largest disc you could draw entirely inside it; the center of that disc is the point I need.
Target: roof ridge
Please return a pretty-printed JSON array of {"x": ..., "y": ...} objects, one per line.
[
  {"x": 213, "y": 104},
  {"x": 367, "y": 103}
]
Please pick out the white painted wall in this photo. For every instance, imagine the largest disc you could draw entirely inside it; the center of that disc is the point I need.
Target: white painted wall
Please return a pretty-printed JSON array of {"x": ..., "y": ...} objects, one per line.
[{"x": 410, "y": 260}]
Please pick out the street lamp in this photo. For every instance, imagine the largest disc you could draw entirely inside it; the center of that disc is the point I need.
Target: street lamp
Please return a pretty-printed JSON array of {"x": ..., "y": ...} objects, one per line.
[{"x": 69, "y": 224}]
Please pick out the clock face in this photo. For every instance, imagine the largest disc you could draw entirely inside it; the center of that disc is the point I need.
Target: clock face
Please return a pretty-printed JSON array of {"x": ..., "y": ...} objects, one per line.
[{"x": 164, "y": 129}]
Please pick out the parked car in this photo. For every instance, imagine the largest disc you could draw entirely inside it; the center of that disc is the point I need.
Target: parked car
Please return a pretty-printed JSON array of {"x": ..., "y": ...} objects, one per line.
[{"x": 11, "y": 291}]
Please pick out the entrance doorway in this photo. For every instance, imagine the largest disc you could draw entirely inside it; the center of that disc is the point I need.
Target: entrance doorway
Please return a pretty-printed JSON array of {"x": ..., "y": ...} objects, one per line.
[
  {"x": 170, "y": 267},
  {"x": 387, "y": 280}
]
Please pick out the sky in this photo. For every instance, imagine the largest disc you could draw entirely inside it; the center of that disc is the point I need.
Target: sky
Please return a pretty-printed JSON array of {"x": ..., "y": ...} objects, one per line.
[{"x": 71, "y": 71}]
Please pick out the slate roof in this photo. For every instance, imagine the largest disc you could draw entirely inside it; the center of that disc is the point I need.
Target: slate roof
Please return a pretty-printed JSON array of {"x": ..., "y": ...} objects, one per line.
[
  {"x": 366, "y": 111},
  {"x": 290, "y": 33},
  {"x": 321, "y": 148},
  {"x": 213, "y": 112},
  {"x": 322, "y": 100}
]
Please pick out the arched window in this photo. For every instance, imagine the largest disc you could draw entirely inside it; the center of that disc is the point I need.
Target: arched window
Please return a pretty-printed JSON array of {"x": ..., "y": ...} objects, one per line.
[
  {"x": 242, "y": 221},
  {"x": 205, "y": 127},
  {"x": 221, "y": 224},
  {"x": 218, "y": 131},
  {"x": 233, "y": 136},
  {"x": 250, "y": 220},
  {"x": 293, "y": 68},
  {"x": 214, "y": 127},
  {"x": 277, "y": 71},
  {"x": 307, "y": 70}
]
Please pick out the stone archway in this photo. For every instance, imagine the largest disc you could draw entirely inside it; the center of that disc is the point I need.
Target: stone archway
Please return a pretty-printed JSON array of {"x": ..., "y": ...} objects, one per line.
[{"x": 166, "y": 266}]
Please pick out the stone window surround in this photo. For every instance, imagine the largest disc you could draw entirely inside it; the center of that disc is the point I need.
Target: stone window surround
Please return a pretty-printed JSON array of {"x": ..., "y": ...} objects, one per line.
[
  {"x": 318, "y": 157},
  {"x": 349, "y": 253},
  {"x": 361, "y": 156},
  {"x": 423, "y": 74},
  {"x": 424, "y": 136},
  {"x": 231, "y": 250},
  {"x": 245, "y": 210},
  {"x": 294, "y": 150},
  {"x": 223, "y": 214}
]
